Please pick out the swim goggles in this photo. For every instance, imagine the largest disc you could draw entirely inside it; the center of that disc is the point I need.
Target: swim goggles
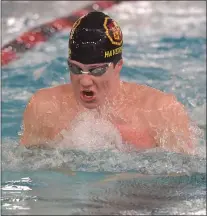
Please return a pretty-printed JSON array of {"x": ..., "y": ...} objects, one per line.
[{"x": 95, "y": 71}]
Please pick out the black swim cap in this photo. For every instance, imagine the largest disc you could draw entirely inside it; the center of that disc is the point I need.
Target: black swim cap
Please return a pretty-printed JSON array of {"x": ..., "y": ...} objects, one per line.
[{"x": 95, "y": 38}]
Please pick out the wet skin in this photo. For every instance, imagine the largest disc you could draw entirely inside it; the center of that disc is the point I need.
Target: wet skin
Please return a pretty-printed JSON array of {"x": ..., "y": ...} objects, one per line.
[{"x": 143, "y": 115}]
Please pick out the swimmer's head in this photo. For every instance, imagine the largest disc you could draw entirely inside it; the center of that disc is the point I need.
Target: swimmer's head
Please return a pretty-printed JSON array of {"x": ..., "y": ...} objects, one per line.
[
  {"x": 95, "y": 38},
  {"x": 95, "y": 59}
]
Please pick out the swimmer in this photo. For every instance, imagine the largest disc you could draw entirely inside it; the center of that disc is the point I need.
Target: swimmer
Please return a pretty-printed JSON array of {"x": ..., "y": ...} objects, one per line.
[{"x": 144, "y": 116}]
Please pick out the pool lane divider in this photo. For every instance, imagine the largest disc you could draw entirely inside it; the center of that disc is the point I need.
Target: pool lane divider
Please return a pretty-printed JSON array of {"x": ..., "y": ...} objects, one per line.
[{"x": 28, "y": 40}]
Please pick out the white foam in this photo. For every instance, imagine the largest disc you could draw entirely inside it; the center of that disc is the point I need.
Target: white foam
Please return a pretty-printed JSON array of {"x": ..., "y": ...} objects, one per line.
[
  {"x": 182, "y": 208},
  {"x": 91, "y": 133},
  {"x": 15, "y": 187},
  {"x": 84, "y": 158}
]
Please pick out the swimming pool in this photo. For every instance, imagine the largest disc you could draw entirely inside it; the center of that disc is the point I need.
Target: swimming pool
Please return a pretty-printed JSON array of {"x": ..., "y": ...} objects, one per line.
[{"x": 165, "y": 47}]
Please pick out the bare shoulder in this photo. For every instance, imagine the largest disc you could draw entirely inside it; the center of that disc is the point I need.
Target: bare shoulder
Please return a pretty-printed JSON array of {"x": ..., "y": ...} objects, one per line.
[
  {"x": 161, "y": 106},
  {"x": 151, "y": 98},
  {"x": 46, "y": 101},
  {"x": 42, "y": 110},
  {"x": 52, "y": 92},
  {"x": 163, "y": 100},
  {"x": 49, "y": 95},
  {"x": 167, "y": 117}
]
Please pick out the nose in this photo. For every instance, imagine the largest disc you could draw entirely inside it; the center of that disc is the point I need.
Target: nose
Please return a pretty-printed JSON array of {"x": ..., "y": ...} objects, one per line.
[{"x": 86, "y": 80}]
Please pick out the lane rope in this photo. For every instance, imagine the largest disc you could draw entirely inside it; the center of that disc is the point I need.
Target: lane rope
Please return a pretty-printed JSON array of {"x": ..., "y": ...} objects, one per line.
[{"x": 42, "y": 33}]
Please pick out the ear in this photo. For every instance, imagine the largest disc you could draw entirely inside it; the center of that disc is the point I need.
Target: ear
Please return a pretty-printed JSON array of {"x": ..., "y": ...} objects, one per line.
[
  {"x": 119, "y": 66},
  {"x": 120, "y": 62},
  {"x": 71, "y": 76}
]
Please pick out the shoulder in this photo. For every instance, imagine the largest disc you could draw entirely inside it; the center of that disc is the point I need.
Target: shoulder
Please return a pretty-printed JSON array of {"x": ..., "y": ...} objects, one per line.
[
  {"x": 154, "y": 99},
  {"x": 161, "y": 105},
  {"x": 51, "y": 92},
  {"x": 47, "y": 99}
]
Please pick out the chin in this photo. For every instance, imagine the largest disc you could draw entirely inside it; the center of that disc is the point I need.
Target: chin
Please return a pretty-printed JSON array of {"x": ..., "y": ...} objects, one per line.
[{"x": 91, "y": 105}]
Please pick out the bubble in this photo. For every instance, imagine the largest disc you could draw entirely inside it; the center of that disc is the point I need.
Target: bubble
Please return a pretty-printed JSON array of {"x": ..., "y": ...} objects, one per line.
[{"x": 90, "y": 132}]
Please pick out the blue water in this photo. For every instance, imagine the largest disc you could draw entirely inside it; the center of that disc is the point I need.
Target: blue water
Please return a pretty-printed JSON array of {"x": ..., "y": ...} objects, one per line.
[{"x": 165, "y": 49}]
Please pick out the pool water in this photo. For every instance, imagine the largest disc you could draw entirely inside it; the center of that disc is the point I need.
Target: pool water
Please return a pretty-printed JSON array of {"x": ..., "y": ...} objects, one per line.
[{"x": 164, "y": 47}]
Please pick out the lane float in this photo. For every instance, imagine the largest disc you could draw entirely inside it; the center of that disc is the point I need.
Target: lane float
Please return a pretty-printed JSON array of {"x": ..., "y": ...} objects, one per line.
[{"x": 14, "y": 49}]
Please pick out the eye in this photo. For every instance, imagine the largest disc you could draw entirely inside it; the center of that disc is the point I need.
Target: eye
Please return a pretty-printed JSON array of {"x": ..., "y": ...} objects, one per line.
[
  {"x": 71, "y": 65},
  {"x": 99, "y": 70},
  {"x": 74, "y": 69}
]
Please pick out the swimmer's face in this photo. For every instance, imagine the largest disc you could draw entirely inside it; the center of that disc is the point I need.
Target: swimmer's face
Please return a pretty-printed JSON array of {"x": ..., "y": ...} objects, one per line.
[{"x": 94, "y": 84}]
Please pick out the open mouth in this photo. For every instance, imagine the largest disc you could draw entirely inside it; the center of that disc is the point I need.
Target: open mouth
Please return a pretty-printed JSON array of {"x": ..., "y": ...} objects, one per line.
[{"x": 87, "y": 94}]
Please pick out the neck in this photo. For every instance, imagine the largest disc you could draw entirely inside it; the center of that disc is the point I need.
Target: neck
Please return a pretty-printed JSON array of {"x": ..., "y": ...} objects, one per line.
[{"x": 112, "y": 100}]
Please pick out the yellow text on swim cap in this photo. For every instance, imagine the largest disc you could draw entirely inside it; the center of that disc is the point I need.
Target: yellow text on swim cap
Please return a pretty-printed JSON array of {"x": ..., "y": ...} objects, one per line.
[{"x": 113, "y": 52}]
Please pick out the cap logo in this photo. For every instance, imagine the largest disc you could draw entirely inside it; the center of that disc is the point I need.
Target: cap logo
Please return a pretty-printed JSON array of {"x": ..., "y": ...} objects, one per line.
[
  {"x": 113, "y": 31},
  {"x": 75, "y": 25}
]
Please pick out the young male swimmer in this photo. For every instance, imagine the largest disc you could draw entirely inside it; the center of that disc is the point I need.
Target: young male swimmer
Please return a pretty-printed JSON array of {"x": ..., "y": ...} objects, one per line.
[{"x": 144, "y": 116}]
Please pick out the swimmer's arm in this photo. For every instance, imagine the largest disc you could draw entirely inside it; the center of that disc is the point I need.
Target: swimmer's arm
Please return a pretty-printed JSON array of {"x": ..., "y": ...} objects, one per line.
[
  {"x": 175, "y": 127},
  {"x": 129, "y": 132},
  {"x": 140, "y": 139},
  {"x": 35, "y": 133}
]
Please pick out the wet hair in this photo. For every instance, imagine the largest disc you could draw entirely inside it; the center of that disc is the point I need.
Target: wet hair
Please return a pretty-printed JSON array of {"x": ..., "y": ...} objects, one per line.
[{"x": 95, "y": 38}]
